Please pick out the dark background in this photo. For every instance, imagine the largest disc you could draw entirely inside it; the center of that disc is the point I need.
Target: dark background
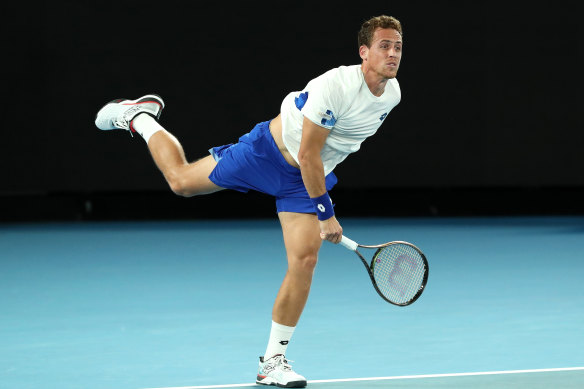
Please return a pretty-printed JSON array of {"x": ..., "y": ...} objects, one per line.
[{"x": 490, "y": 120}]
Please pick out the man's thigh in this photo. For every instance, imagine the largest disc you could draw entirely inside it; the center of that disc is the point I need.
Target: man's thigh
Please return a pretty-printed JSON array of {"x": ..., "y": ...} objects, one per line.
[
  {"x": 197, "y": 174},
  {"x": 301, "y": 234}
]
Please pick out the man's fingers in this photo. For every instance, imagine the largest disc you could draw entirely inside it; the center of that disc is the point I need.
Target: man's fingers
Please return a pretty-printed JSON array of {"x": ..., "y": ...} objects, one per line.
[{"x": 334, "y": 237}]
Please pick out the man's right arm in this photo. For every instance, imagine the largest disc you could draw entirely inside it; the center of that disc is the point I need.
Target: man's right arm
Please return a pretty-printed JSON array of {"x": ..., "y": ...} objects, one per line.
[{"x": 312, "y": 169}]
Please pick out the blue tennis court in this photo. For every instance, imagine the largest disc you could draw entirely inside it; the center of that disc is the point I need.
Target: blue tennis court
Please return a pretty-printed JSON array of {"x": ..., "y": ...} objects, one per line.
[{"x": 134, "y": 305}]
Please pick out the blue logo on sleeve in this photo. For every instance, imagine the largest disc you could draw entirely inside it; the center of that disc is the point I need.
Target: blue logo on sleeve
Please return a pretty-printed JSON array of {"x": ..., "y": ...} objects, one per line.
[
  {"x": 329, "y": 118},
  {"x": 301, "y": 100},
  {"x": 383, "y": 116}
]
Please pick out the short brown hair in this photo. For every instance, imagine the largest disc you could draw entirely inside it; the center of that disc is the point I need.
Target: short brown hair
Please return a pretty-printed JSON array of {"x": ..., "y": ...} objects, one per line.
[{"x": 368, "y": 28}]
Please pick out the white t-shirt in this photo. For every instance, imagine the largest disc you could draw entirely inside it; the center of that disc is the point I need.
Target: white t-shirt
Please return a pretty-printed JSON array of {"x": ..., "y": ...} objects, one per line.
[{"x": 338, "y": 100}]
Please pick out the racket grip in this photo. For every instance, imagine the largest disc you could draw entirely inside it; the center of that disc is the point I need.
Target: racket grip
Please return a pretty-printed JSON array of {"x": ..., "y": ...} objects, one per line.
[{"x": 348, "y": 243}]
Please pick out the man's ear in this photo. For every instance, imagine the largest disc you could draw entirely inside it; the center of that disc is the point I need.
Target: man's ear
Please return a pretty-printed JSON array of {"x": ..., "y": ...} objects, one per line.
[{"x": 363, "y": 51}]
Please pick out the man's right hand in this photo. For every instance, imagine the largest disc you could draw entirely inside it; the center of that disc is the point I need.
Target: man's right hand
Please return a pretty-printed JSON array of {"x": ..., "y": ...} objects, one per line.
[{"x": 331, "y": 230}]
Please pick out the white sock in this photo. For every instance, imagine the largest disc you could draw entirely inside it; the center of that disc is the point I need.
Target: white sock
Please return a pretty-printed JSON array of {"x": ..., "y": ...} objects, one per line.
[
  {"x": 146, "y": 126},
  {"x": 279, "y": 338}
]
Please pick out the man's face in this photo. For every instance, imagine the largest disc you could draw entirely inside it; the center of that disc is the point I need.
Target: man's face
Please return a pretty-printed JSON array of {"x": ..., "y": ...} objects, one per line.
[{"x": 384, "y": 55}]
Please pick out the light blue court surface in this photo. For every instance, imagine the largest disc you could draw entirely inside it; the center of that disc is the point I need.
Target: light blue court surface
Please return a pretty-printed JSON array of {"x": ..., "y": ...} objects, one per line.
[{"x": 180, "y": 304}]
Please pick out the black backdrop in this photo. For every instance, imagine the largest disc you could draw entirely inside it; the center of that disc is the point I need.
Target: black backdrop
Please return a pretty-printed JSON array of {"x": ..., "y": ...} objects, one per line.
[{"x": 490, "y": 119}]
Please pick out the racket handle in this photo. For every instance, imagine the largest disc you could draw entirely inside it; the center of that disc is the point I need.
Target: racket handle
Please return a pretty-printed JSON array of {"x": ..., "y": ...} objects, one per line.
[{"x": 348, "y": 243}]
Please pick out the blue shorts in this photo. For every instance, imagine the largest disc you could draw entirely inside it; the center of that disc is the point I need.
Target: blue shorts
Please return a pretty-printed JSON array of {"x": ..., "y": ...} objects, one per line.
[{"x": 256, "y": 163}]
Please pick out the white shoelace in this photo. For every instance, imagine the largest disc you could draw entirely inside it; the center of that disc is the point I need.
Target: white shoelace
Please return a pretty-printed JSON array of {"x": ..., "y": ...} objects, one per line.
[
  {"x": 123, "y": 123},
  {"x": 281, "y": 360}
]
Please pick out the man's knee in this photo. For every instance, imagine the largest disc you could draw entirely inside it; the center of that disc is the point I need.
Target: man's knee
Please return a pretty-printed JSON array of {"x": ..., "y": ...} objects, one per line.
[
  {"x": 305, "y": 263},
  {"x": 178, "y": 183},
  {"x": 192, "y": 179}
]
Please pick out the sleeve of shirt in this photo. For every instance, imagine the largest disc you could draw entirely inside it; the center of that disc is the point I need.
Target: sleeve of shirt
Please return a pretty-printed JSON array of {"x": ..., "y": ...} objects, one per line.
[{"x": 322, "y": 100}]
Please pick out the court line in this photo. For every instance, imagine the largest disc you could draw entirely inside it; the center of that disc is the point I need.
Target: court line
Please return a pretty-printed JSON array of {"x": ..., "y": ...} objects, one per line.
[{"x": 403, "y": 377}]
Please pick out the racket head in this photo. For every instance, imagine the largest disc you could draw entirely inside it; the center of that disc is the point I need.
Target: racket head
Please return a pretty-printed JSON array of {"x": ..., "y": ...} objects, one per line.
[{"x": 399, "y": 272}]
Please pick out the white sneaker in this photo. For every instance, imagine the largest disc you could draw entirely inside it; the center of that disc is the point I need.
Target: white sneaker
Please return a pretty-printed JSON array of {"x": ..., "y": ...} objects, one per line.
[
  {"x": 276, "y": 371},
  {"x": 119, "y": 113}
]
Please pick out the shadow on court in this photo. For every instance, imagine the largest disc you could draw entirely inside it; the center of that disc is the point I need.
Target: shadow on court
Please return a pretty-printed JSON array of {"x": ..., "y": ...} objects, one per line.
[
  {"x": 556, "y": 380},
  {"x": 531, "y": 380}
]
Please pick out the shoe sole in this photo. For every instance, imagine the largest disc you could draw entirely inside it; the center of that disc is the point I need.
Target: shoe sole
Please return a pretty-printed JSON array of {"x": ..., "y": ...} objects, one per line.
[
  {"x": 151, "y": 98},
  {"x": 292, "y": 384}
]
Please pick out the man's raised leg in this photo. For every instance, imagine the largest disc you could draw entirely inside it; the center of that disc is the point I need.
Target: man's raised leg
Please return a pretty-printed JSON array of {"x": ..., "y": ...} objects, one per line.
[
  {"x": 139, "y": 116},
  {"x": 185, "y": 179}
]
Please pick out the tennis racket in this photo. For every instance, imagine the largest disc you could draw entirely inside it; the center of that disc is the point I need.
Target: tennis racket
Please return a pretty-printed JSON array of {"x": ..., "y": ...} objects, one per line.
[{"x": 398, "y": 270}]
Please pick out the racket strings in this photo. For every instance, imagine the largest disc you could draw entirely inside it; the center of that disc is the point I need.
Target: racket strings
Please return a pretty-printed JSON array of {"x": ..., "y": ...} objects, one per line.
[{"x": 399, "y": 271}]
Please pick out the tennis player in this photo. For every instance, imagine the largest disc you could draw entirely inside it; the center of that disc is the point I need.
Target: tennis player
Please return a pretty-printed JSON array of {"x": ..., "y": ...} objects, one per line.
[{"x": 291, "y": 157}]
